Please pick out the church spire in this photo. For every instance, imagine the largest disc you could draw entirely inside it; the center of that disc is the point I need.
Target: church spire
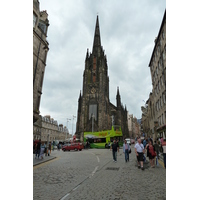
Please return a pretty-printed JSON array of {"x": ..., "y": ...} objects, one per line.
[
  {"x": 97, "y": 39},
  {"x": 118, "y": 98}
]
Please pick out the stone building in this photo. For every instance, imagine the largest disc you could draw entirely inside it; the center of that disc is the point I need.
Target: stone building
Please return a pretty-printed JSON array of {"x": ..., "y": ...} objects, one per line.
[
  {"x": 133, "y": 126},
  {"x": 155, "y": 118},
  {"x": 94, "y": 104},
  {"x": 46, "y": 127},
  {"x": 40, "y": 49}
]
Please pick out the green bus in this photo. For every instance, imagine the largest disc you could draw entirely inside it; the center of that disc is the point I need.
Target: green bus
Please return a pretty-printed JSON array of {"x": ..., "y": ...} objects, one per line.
[{"x": 103, "y": 139}]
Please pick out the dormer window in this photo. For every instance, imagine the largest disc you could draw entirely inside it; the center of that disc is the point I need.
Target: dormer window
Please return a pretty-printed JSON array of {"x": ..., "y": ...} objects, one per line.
[
  {"x": 34, "y": 20},
  {"x": 42, "y": 25}
]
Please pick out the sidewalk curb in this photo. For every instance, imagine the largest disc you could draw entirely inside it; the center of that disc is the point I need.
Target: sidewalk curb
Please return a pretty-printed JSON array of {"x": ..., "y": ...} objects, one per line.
[
  {"x": 161, "y": 163},
  {"x": 43, "y": 161}
]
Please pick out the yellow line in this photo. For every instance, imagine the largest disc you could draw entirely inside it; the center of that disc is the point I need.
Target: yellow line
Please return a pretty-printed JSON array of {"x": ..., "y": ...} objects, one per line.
[
  {"x": 161, "y": 163},
  {"x": 45, "y": 163}
]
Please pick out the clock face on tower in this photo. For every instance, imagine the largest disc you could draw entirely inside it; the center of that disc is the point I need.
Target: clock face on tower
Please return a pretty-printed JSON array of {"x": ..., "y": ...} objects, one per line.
[{"x": 93, "y": 90}]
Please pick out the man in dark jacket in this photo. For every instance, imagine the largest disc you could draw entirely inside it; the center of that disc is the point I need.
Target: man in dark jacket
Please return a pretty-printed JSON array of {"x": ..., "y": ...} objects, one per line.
[
  {"x": 115, "y": 148},
  {"x": 38, "y": 149}
]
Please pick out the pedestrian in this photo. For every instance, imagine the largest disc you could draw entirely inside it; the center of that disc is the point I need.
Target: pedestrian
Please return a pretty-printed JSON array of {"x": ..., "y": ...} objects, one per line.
[
  {"x": 38, "y": 149},
  {"x": 151, "y": 154},
  {"x": 139, "y": 151},
  {"x": 42, "y": 149},
  {"x": 156, "y": 147},
  {"x": 144, "y": 143},
  {"x": 35, "y": 149},
  {"x": 49, "y": 148},
  {"x": 126, "y": 149},
  {"x": 164, "y": 152},
  {"x": 115, "y": 148}
]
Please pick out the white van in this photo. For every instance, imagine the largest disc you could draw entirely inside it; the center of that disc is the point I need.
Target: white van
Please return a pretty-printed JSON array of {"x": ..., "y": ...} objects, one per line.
[{"x": 128, "y": 140}]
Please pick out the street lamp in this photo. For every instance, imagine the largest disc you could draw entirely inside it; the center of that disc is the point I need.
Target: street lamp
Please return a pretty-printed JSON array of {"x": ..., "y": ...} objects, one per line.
[
  {"x": 73, "y": 123},
  {"x": 92, "y": 121},
  {"x": 67, "y": 122}
]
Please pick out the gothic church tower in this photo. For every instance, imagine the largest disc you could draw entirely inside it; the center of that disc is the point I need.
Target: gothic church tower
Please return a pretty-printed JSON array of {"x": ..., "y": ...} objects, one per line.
[{"x": 94, "y": 101}]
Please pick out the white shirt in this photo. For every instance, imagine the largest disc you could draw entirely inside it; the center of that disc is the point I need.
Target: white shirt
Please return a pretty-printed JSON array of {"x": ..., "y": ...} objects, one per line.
[
  {"x": 164, "y": 149},
  {"x": 139, "y": 147}
]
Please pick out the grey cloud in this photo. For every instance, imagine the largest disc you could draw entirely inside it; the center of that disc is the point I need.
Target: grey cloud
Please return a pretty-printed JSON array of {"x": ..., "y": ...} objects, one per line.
[{"x": 128, "y": 29}]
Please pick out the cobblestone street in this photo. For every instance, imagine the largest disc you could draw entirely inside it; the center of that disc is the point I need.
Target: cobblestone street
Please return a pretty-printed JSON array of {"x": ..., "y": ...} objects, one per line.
[{"x": 92, "y": 174}]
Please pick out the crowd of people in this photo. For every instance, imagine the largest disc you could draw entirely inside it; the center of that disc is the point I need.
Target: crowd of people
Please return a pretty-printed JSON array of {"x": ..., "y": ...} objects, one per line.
[
  {"x": 40, "y": 149},
  {"x": 142, "y": 148}
]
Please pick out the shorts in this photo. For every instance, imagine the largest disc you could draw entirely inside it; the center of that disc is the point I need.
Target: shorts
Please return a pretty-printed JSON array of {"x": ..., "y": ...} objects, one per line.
[{"x": 140, "y": 157}]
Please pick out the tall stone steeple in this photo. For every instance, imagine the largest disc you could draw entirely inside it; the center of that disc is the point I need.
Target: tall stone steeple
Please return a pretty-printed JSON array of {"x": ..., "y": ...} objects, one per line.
[
  {"x": 94, "y": 107},
  {"x": 97, "y": 40}
]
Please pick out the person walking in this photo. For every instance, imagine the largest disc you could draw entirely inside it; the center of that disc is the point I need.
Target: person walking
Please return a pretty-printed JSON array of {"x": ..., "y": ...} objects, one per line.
[
  {"x": 115, "y": 148},
  {"x": 151, "y": 154},
  {"x": 156, "y": 147},
  {"x": 49, "y": 150},
  {"x": 144, "y": 142},
  {"x": 164, "y": 152},
  {"x": 126, "y": 149},
  {"x": 42, "y": 149},
  {"x": 38, "y": 149},
  {"x": 139, "y": 151}
]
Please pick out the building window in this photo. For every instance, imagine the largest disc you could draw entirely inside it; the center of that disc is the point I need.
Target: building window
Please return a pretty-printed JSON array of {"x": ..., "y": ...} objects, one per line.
[
  {"x": 42, "y": 25},
  {"x": 93, "y": 110},
  {"x": 163, "y": 35},
  {"x": 163, "y": 55},
  {"x": 160, "y": 102},
  {"x": 34, "y": 20},
  {"x": 162, "y": 119},
  {"x": 163, "y": 98},
  {"x": 161, "y": 81},
  {"x": 160, "y": 42}
]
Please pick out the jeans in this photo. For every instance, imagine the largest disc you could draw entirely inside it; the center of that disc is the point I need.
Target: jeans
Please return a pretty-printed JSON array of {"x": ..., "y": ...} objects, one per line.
[
  {"x": 126, "y": 155},
  {"x": 37, "y": 153},
  {"x": 114, "y": 155},
  {"x": 164, "y": 159}
]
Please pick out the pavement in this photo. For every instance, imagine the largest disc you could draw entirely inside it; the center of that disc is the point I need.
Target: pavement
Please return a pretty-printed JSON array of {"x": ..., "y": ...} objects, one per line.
[
  {"x": 37, "y": 161},
  {"x": 92, "y": 174}
]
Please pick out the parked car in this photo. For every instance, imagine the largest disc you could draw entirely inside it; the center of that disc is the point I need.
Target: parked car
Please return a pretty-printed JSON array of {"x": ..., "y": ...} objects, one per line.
[{"x": 73, "y": 146}]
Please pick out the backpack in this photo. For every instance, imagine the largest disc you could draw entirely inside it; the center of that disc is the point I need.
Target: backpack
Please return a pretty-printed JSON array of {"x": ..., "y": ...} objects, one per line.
[{"x": 151, "y": 151}]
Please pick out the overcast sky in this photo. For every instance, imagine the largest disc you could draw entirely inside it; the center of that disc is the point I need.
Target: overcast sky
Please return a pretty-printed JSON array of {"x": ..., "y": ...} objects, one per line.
[{"x": 127, "y": 29}]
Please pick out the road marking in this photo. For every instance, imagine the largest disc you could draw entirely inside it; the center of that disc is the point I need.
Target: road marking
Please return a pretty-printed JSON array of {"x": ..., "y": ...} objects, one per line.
[
  {"x": 65, "y": 196},
  {"x": 76, "y": 187},
  {"x": 98, "y": 159},
  {"x": 92, "y": 174}
]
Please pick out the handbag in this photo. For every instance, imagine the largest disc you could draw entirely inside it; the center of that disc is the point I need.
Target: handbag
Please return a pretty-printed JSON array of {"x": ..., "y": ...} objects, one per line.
[
  {"x": 129, "y": 151},
  {"x": 152, "y": 152}
]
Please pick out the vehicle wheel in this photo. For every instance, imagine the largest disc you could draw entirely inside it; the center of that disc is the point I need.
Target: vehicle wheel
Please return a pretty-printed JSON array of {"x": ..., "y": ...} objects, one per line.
[
  {"x": 106, "y": 146},
  {"x": 75, "y": 149},
  {"x": 64, "y": 150},
  {"x": 80, "y": 149}
]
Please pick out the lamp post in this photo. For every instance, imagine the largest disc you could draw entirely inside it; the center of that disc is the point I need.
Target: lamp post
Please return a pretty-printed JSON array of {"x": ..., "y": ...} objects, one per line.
[
  {"x": 73, "y": 123},
  {"x": 68, "y": 121},
  {"x": 92, "y": 121}
]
